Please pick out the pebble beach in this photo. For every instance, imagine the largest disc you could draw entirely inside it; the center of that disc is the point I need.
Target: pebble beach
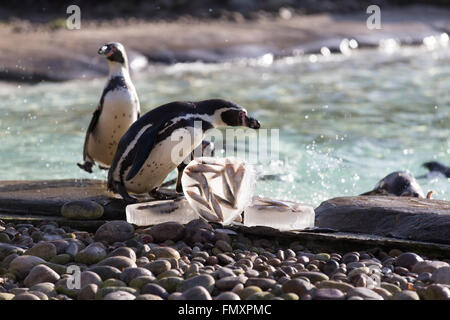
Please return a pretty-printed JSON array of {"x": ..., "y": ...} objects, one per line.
[{"x": 197, "y": 261}]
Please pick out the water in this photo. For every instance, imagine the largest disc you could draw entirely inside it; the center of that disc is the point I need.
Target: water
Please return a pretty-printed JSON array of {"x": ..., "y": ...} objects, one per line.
[{"x": 345, "y": 121}]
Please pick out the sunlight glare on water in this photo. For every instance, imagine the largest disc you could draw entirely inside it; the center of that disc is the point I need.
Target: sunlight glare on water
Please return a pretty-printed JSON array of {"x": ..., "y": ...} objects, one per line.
[{"x": 345, "y": 121}]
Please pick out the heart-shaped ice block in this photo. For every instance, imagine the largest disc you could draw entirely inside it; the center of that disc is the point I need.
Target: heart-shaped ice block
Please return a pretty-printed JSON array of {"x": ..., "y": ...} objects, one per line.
[{"x": 218, "y": 189}]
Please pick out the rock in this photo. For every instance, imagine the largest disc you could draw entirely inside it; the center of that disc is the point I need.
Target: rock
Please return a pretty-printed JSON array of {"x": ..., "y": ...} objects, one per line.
[
  {"x": 312, "y": 276},
  {"x": 123, "y": 251},
  {"x": 203, "y": 280},
  {"x": 44, "y": 250},
  {"x": 118, "y": 262},
  {"x": 228, "y": 283},
  {"x": 141, "y": 281},
  {"x": 131, "y": 273},
  {"x": 25, "y": 296},
  {"x": 428, "y": 266},
  {"x": 148, "y": 297},
  {"x": 166, "y": 252},
  {"x": 407, "y": 260},
  {"x": 4, "y": 238},
  {"x": 224, "y": 259},
  {"x": 61, "y": 259},
  {"x": 113, "y": 283},
  {"x": 8, "y": 249},
  {"x": 6, "y": 296},
  {"x": 436, "y": 292},
  {"x": 223, "y": 245},
  {"x": 261, "y": 296},
  {"x": 423, "y": 220},
  {"x": 155, "y": 289},
  {"x": 158, "y": 266},
  {"x": 82, "y": 210},
  {"x": 364, "y": 293},
  {"x": 89, "y": 277},
  {"x": 330, "y": 267},
  {"x": 327, "y": 294},
  {"x": 406, "y": 295},
  {"x": 298, "y": 286},
  {"x": 383, "y": 292},
  {"x": 106, "y": 272},
  {"x": 342, "y": 286},
  {"x": 350, "y": 257},
  {"x": 441, "y": 275},
  {"x": 166, "y": 231},
  {"x": 64, "y": 286},
  {"x": 39, "y": 274},
  {"x": 119, "y": 295},
  {"x": 45, "y": 287},
  {"x": 93, "y": 253},
  {"x": 22, "y": 265},
  {"x": 248, "y": 291},
  {"x": 228, "y": 296},
  {"x": 103, "y": 292},
  {"x": 225, "y": 272},
  {"x": 263, "y": 283},
  {"x": 114, "y": 231},
  {"x": 88, "y": 292},
  {"x": 196, "y": 293},
  {"x": 392, "y": 288},
  {"x": 199, "y": 231},
  {"x": 170, "y": 283}
]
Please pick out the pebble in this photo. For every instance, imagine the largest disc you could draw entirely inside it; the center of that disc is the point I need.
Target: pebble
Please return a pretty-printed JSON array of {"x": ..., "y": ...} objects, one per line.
[
  {"x": 166, "y": 231},
  {"x": 166, "y": 252},
  {"x": 428, "y": 266},
  {"x": 327, "y": 294},
  {"x": 436, "y": 292},
  {"x": 228, "y": 296},
  {"x": 25, "y": 296},
  {"x": 342, "y": 286},
  {"x": 228, "y": 283},
  {"x": 44, "y": 250},
  {"x": 196, "y": 293},
  {"x": 119, "y": 295},
  {"x": 148, "y": 297},
  {"x": 45, "y": 287},
  {"x": 158, "y": 266},
  {"x": 298, "y": 286},
  {"x": 141, "y": 281},
  {"x": 364, "y": 293},
  {"x": 22, "y": 265},
  {"x": 123, "y": 252},
  {"x": 408, "y": 260},
  {"x": 114, "y": 231},
  {"x": 223, "y": 245},
  {"x": 170, "y": 283},
  {"x": 131, "y": 273},
  {"x": 263, "y": 283},
  {"x": 82, "y": 209},
  {"x": 441, "y": 275},
  {"x": 155, "y": 289},
  {"x": 406, "y": 295},
  {"x": 88, "y": 292},
  {"x": 106, "y": 272},
  {"x": 40, "y": 273},
  {"x": 93, "y": 253},
  {"x": 330, "y": 267},
  {"x": 118, "y": 262},
  {"x": 312, "y": 276},
  {"x": 203, "y": 280}
]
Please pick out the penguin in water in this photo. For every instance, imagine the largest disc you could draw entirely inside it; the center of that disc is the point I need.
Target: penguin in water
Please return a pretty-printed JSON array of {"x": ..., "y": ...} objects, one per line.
[
  {"x": 398, "y": 183},
  {"x": 145, "y": 154},
  {"x": 117, "y": 110},
  {"x": 436, "y": 168}
]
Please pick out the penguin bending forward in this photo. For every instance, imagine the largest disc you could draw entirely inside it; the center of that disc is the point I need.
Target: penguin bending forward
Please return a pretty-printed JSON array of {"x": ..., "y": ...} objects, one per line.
[
  {"x": 145, "y": 155},
  {"x": 117, "y": 110},
  {"x": 398, "y": 183}
]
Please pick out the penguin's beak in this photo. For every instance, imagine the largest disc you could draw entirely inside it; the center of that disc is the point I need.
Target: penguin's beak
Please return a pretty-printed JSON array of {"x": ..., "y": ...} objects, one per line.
[
  {"x": 103, "y": 50},
  {"x": 252, "y": 123}
]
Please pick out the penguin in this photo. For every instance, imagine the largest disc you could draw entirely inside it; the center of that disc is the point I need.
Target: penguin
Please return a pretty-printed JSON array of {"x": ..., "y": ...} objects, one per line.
[
  {"x": 145, "y": 154},
  {"x": 118, "y": 108},
  {"x": 436, "y": 168},
  {"x": 398, "y": 183}
]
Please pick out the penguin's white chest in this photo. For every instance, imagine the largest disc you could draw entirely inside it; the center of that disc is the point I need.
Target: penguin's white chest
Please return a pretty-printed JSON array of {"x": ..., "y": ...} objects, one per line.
[
  {"x": 165, "y": 157},
  {"x": 118, "y": 113}
]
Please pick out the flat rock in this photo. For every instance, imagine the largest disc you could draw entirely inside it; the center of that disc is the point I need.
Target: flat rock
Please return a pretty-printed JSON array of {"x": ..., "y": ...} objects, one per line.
[
  {"x": 82, "y": 210},
  {"x": 398, "y": 217},
  {"x": 114, "y": 231}
]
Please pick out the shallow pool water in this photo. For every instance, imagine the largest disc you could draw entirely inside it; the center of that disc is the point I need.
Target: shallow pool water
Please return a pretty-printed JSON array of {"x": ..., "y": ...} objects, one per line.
[{"x": 344, "y": 121}]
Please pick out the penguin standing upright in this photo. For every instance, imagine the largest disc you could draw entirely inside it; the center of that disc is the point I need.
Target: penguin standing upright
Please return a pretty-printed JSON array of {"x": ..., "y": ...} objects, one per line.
[
  {"x": 145, "y": 156},
  {"x": 117, "y": 110}
]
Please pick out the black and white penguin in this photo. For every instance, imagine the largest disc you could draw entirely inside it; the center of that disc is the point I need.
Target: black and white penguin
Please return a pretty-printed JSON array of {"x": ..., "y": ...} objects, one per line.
[
  {"x": 117, "y": 110},
  {"x": 398, "y": 183},
  {"x": 437, "y": 168},
  {"x": 145, "y": 155}
]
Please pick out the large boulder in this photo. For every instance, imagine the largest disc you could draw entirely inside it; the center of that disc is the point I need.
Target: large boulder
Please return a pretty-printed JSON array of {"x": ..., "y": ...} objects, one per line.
[{"x": 398, "y": 217}]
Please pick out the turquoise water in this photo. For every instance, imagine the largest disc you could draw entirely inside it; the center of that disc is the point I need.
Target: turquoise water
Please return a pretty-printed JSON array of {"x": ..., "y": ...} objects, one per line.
[{"x": 345, "y": 121}]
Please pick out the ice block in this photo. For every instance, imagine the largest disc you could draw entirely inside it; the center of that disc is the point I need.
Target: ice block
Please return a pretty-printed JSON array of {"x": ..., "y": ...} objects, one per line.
[
  {"x": 218, "y": 189},
  {"x": 282, "y": 215},
  {"x": 154, "y": 212}
]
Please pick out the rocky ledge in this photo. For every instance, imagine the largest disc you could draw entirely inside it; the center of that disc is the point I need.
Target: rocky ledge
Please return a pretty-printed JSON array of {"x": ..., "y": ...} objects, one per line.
[{"x": 398, "y": 217}]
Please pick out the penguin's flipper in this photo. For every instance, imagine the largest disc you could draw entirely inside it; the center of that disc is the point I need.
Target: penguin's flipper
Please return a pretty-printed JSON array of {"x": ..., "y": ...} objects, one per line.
[
  {"x": 146, "y": 143},
  {"x": 89, "y": 131}
]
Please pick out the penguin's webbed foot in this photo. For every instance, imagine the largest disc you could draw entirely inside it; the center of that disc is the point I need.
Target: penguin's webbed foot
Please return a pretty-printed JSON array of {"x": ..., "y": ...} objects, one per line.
[
  {"x": 86, "y": 166},
  {"x": 123, "y": 192}
]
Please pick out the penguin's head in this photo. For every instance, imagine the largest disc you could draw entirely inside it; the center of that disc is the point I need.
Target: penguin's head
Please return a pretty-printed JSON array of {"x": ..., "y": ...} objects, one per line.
[
  {"x": 113, "y": 52},
  {"x": 434, "y": 166},
  {"x": 227, "y": 113}
]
